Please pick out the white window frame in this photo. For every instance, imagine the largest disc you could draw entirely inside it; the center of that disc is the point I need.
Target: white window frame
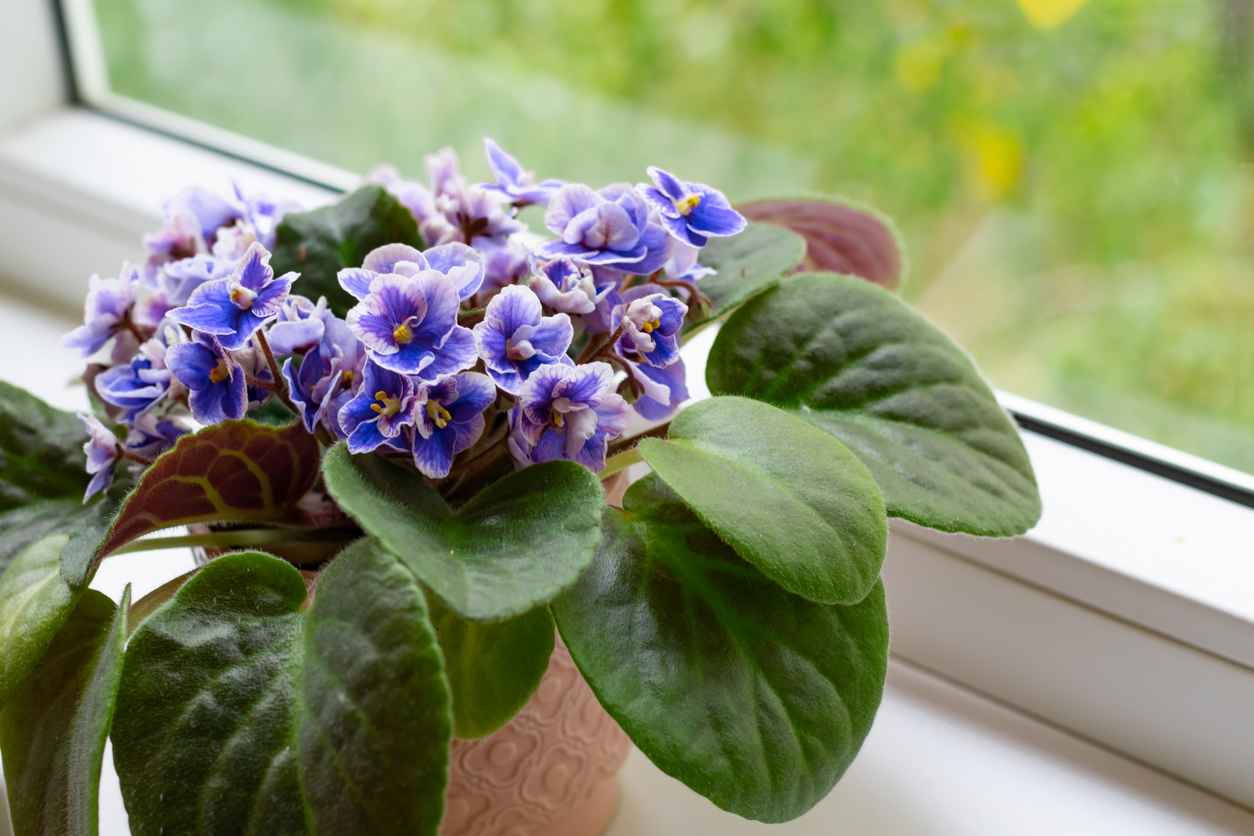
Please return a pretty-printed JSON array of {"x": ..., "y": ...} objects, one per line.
[{"x": 1126, "y": 617}]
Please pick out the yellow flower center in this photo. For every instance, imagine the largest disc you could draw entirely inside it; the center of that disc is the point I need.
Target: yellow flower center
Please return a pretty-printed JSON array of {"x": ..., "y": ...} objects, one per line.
[
  {"x": 242, "y": 297},
  {"x": 687, "y": 204},
  {"x": 219, "y": 373},
  {"x": 650, "y": 327},
  {"x": 438, "y": 414},
  {"x": 558, "y": 420},
  {"x": 385, "y": 406},
  {"x": 403, "y": 334},
  {"x": 347, "y": 378}
]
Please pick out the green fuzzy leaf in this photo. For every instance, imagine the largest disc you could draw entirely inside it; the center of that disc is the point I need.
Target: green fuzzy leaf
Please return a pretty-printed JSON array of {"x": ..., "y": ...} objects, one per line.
[
  {"x": 747, "y": 263},
  {"x": 492, "y": 669},
  {"x": 789, "y": 498},
  {"x": 20, "y": 528},
  {"x": 753, "y": 697},
  {"x": 41, "y": 451},
  {"x": 273, "y": 414},
  {"x": 320, "y": 243},
  {"x": 42, "y": 474},
  {"x": 53, "y": 730},
  {"x": 243, "y": 709},
  {"x": 233, "y": 471},
  {"x": 512, "y": 547},
  {"x": 35, "y": 602},
  {"x": 856, "y": 361}
]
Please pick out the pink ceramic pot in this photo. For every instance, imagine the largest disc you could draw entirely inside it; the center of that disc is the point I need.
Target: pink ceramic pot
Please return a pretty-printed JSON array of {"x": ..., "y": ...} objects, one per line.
[{"x": 551, "y": 771}]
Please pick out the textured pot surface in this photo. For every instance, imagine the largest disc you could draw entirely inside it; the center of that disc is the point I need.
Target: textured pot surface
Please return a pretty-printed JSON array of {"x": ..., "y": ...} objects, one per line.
[{"x": 551, "y": 771}]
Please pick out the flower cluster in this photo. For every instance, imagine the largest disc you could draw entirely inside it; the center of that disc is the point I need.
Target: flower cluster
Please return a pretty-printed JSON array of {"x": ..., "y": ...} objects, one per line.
[{"x": 549, "y": 347}]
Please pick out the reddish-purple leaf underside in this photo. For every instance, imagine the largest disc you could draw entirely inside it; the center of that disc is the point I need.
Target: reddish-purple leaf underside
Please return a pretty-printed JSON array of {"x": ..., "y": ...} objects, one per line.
[
  {"x": 840, "y": 237},
  {"x": 234, "y": 471}
]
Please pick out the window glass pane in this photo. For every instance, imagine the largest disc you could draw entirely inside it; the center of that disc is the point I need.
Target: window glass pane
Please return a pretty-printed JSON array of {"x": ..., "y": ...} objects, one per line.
[{"x": 1075, "y": 179}]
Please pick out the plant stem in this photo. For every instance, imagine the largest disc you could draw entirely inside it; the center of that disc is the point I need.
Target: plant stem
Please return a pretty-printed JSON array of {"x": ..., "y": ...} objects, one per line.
[
  {"x": 259, "y": 383},
  {"x": 280, "y": 389},
  {"x": 589, "y": 350},
  {"x": 130, "y": 326},
  {"x": 691, "y": 287},
  {"x": 127, "y": 454},
  {"x": 622, "y": 444},
  {"x": 245, "y": 537},
  {"x": 471, "y": 317},
  {"x": 592, "y": 350},
  {"x": 620, "y": 461}
]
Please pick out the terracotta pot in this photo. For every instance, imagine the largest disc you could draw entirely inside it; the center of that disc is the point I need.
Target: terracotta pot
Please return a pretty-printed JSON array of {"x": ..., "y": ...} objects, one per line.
[{"x": 551, "y": 771}]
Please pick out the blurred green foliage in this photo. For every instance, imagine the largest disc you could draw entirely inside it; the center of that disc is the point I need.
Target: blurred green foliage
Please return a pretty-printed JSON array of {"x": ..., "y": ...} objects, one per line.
[{"x": 1073, "y": 178}]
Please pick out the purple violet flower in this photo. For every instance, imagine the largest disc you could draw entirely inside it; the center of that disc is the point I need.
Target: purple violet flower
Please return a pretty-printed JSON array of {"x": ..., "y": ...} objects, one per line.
[
  {"x": 234, "y": 308},
  {"x": 610, "y": 227},
  {"x": 662, "y": 390},
  {"x": 216, "y": 381},
  {"x": 569, "y": 286},
  {"x": 103, "y": 452},
  {"x": 383, "y": 408},
  {"x": 299, "y": 325},
  {"x": 514, "y": 338},
  {"x": 512, "y": 182},
  {"x": 409, "y": 325},
  {"x": 108, "y": 304},
  {"x": 567, "y": 412},
  {"x": 692, "y": 212},
  {"x": 192, "y": 220},
  {"x": 150, "y": 436},
  {"x": 138, "y": 386},
  {"x": 262, "y": 215},
  {"x": 504, "y": 264},
  {"x": 449, "y": 419},
  {"x": 463, "y": 266},
  {"x": 682, "y": 266},
  {"x": 179, "y": 279},
  {"x": 651, "y": 322},
  {"x": 328, "y": 377},
  {"x": 450, "y": 210}
]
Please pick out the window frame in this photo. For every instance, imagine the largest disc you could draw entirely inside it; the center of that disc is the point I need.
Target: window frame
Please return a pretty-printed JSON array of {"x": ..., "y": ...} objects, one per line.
[{"x": 1151, "y": 658}]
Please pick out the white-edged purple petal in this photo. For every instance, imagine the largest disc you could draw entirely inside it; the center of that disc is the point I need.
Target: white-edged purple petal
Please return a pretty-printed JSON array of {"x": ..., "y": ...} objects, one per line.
[
  {"x": 434, "y": 456},
  {"x": 457, "y": 353},
  {"x": 384, "y": 259},
  {"x": 463, "y": 265},
  {"x": 514, "y": 307},
  {"x": 569, "y": 201},
  {"x": 253, "y": 271},
  {"x": 505, "y": 169},
  {"x": 653, "y": 405},
  {"x": 210, "y": 210},
  {"x": 442, "y": 303},
  {"x": 715, "y": 216},
  {"x": 667, "y": 183},
  {"x": 356, "y": 281},
  {"x": 272, "y": 296},
  {"x": 663, "y": 204}
]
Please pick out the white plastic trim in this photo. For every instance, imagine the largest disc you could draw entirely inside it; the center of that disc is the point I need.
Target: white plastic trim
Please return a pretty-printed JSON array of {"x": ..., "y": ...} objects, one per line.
[{"x": 29, "y": 52}]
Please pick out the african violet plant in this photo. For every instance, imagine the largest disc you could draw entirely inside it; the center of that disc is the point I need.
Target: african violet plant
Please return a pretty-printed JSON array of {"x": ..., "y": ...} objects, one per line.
[{"x": 410, "y": 412}]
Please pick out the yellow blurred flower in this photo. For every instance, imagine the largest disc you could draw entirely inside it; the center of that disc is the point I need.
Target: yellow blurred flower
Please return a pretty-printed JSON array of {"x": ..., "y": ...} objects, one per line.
[{"x": 1050, "y": 14}]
